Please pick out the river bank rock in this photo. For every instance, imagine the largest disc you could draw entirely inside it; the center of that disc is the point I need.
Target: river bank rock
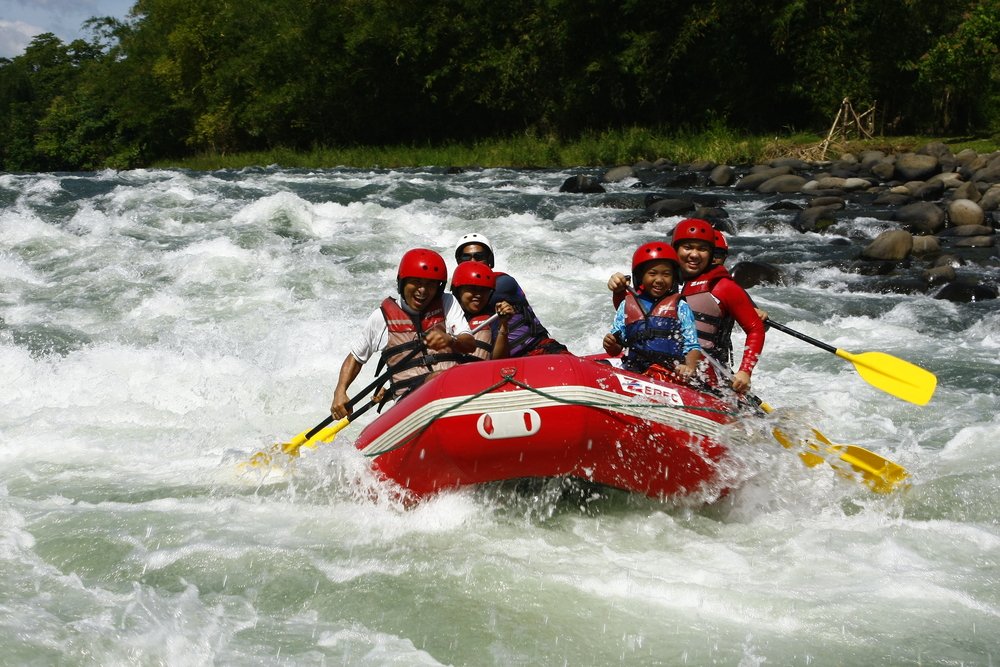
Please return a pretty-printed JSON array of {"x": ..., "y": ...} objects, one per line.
[
  {"x": 933, "y": 214},
  {"x": 618, "y": 174},
  {"x": 892, "y": 245},
  {"x": 914, "y": 167},
  {"x": 581, "y": 184},
  {"x": 920, "y": 217},
  {"x": 751, "y": 274},
  {"x": 959, "y": 292},
  {"x": 815, "y": 219},
  {"x": 965, "y": 212}
]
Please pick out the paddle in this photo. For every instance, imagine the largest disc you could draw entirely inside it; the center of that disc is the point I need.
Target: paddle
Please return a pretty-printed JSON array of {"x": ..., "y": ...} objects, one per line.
[
  {"x": 884, "y": 371},
  {"x": 879, "y": 474},
  {"x": 323, "y": 432}
]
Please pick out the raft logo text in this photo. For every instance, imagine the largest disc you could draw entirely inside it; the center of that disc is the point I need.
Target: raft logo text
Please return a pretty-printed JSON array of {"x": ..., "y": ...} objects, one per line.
[{"x": 640, "y": 388}]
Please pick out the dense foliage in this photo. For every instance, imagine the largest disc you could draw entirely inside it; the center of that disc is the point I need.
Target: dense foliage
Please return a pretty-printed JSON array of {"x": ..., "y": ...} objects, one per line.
[{"x": 186, "y": 76}]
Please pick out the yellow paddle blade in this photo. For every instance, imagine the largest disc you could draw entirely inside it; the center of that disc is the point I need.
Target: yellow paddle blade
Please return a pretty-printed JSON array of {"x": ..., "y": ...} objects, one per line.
[
  {"x": 893, "y": 375},
  {"x": 292, "y": 447},
  {"x": 879, "y": 474}
]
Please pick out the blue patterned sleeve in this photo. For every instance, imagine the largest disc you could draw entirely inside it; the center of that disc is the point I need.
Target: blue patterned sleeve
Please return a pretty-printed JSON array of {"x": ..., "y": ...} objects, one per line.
[
  {"x": 618, "y": 326},
  {"x": 686, "y": 317}
]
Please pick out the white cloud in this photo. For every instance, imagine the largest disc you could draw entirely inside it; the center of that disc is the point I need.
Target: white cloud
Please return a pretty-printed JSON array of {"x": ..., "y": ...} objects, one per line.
[{"x": 15, "y": 36}]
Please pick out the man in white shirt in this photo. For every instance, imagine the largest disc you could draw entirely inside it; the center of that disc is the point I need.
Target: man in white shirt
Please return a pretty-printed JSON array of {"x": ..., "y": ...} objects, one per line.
[{"x": 418, "y": 335}]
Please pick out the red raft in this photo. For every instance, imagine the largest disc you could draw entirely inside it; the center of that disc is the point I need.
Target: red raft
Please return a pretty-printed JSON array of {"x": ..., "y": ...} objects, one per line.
[{"x": 548, "y": 416}]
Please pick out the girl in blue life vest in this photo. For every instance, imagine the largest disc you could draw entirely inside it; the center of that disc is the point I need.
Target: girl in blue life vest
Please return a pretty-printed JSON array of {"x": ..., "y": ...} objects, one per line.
[{"x": 656, "y": 326}]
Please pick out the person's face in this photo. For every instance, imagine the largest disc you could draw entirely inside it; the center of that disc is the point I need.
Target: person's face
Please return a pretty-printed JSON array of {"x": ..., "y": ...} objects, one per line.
[
  {"x": 473, "y": 298},
  {"x": 476, "y": 252},
  {"x": 694, "y": 255},
  {"x": 419, "y": 292},
  {"x": 658, "y": 279}
]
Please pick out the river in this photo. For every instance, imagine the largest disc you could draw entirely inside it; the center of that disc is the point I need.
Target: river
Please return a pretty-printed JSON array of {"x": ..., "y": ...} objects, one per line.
[{"x": 161, "y": 326}]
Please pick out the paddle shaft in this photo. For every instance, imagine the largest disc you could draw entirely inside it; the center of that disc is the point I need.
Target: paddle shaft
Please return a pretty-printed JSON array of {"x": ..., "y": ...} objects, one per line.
[{"x": 801, "y": 336}]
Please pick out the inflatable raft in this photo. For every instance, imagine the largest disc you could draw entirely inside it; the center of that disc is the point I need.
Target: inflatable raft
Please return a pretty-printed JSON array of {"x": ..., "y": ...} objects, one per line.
[{"x": 548, "y": 416}]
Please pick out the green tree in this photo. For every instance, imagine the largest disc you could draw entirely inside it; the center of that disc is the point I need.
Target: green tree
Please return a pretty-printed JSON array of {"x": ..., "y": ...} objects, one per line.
[{"x": 963, "y": 68}]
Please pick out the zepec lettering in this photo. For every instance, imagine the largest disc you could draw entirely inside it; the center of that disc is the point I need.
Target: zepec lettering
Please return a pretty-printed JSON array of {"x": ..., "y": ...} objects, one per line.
[{"x": 638, "y": 387}]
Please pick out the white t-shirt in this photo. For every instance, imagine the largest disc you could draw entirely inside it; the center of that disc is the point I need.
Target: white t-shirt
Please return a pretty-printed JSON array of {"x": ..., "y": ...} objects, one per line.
[{"x": 375, "y": 336}]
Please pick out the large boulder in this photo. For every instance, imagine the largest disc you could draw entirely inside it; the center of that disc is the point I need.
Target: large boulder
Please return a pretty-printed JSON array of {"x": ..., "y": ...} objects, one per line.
[
  {"x": 831, "y": 183},
  {"x": 702, "y": 165},
  {"x": 966, "y": 230},
  {"x": 666, "y": 208},
  {"x": 749, "y": 274},
  {"x": 578, "y": 184},
  {"x": 783, "y": 183},
  {"x": 618, "y": 174},
  {"x": 967, "y": 190},
  {"x": 965, "y": 212},
  {"x": 883, "y": 170},
  {"x": 852, "y": 184},
  {"x": 723, "y": 175},
  {"x": 754, "y": 179},
  {"x": 990, "y": 201},
  {"x": 870, "y": 158},
  {"x": 924, "y": 217},
  {"x": 938, "y": 149},
  {"x": 924, "y": 245},
  {"x": 913, "y": 167},
  {"x": 893, "y": 199},
  {"x": 939, "y": 275},
  {"x": 814, "y": 219},
  {"x": 836, "y": 203},
  {"x": 976, "y": 242},
  {"x": 988, "y": 174},
  {"x": 965, "y": 293},
  {"x": 930, "y": 191},
  {"x": 892, "y": 245}
]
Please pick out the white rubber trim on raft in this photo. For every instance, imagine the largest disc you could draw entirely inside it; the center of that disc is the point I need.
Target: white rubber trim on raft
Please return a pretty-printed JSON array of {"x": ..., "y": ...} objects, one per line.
[{"x": 674, "y": 416}]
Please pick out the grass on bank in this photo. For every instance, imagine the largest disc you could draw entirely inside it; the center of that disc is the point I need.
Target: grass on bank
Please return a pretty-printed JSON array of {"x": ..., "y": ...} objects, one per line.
[{"x": 604, "y": 149}]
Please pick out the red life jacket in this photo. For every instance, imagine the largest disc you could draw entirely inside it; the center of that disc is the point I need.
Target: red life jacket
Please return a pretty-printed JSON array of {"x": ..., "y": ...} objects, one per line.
[
  {"x": 484, "y": 337},
  {"x": 714, "y": 325},
  {"x": 404, "y": 336}
]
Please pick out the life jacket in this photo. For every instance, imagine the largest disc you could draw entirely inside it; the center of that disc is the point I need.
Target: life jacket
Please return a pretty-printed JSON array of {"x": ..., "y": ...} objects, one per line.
[
  {"x": 484, "y": 337},
  {"x": 655, "y": 337},
  {"x": 405, "y": 336},
  {"x": 526, "y": 333},
  {"x": 714, "y": 327}
]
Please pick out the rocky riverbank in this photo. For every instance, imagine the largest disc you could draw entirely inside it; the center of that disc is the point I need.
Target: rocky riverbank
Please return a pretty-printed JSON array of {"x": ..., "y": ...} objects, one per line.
[{"x": 943, "y": 211}]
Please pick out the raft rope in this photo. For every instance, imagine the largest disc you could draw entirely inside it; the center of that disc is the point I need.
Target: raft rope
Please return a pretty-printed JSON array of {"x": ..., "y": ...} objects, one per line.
[{"x": 509, "y": 379}]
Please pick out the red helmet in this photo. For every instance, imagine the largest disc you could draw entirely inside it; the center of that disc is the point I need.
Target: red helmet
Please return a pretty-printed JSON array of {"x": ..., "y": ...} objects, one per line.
[
  {"x": 653, "y": 250},
  {"x": 721, "y": 247},
  {"x": 422, "y": 263},
  {"x": 474, "y": 274},
  {"x": 693, "y": 228}
]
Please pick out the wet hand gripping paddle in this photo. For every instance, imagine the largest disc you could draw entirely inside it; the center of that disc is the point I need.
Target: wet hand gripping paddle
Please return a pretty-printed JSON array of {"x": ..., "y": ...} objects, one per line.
[{"x": 323, "y": 432}]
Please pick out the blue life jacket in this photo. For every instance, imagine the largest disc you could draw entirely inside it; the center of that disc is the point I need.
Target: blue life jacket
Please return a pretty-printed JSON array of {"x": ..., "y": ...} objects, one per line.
[{"x": 655, "y": 337}]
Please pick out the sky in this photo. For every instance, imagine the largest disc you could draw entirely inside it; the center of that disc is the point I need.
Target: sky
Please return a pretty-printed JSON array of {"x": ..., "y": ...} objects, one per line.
[{"x": 21, "y": 20}]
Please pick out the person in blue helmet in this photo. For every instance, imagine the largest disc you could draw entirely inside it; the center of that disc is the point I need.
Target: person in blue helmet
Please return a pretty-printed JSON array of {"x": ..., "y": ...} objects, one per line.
[{"x": 527, "y": 336}]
